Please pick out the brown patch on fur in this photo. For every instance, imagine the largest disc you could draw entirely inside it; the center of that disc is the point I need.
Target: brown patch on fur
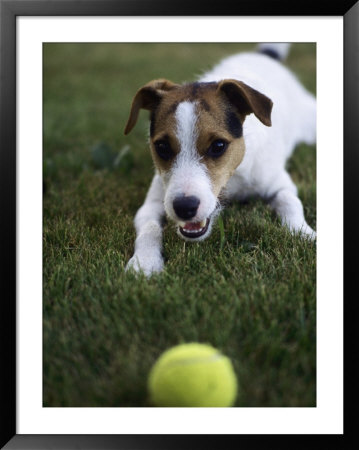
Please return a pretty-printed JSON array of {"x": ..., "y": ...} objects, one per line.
[
  {"x": 205, "y": 105},
  {"x": 168, "y": 103}
]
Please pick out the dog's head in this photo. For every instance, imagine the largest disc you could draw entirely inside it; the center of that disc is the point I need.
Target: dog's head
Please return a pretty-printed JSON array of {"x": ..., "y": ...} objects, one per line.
[{"x": 197, "y": 143}]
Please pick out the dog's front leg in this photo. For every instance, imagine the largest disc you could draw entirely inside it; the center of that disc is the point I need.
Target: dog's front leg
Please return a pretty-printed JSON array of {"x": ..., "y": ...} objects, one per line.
[
  {"x": 148, "y": 223},
  {"x": 288, "y": 206}
]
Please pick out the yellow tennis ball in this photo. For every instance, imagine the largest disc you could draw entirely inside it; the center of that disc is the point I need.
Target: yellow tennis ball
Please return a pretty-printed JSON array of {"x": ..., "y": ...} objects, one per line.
[{"x": 192, "y": 375}]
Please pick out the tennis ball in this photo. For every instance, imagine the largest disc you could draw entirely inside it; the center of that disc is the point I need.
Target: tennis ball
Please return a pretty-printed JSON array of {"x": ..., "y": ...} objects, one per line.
[{"x": 192, "y": 375}]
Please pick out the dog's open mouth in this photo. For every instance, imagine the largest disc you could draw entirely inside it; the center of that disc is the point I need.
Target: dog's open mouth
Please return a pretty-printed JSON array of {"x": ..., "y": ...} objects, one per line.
[{"x": 194, "y": 229}]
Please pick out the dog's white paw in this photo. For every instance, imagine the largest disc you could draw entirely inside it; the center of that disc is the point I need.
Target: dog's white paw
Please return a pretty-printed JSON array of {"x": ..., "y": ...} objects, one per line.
[
  {"x": 304, "y": 231},
  {"x": 312, "y": 235},
  {"x": 149, "y": 264},
  {"x": 307, "y": 232}
]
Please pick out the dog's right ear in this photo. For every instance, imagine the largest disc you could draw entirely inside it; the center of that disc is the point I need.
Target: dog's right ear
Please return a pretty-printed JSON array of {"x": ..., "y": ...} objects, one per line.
[
  {"x": 148, "y": 97},
  {"x": 247, "y": 100}
]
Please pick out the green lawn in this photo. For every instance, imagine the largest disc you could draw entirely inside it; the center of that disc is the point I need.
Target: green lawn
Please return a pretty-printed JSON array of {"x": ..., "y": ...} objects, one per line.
[{"x": 253, "y": 297}]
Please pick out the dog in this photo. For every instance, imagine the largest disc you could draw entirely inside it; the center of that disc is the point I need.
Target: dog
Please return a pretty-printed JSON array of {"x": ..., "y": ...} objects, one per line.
[{"x": 226, "y": 136}]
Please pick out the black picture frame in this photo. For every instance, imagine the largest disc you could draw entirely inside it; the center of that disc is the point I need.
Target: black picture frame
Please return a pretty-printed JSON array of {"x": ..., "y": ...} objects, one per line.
[{"x": 9, "y": 10}]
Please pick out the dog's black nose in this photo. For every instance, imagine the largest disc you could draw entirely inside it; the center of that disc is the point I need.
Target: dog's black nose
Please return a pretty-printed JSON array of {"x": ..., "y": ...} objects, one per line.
[{"x": 186, "y": 207}]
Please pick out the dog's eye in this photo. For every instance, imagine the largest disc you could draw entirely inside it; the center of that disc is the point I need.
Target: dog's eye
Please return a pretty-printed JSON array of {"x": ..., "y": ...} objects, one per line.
[
  {"x": 217, "y": 148},
  {"x": 164, "y": 150}
]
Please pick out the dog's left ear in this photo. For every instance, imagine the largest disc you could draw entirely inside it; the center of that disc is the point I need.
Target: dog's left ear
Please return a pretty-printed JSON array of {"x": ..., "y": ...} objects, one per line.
[
  {"x": 247, "y": 100},
  {"x": 148, "y": 97}
]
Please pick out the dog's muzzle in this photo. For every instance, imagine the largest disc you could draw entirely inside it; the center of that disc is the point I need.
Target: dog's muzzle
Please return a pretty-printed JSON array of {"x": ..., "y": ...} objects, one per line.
[{"x": 186, "y": 208}]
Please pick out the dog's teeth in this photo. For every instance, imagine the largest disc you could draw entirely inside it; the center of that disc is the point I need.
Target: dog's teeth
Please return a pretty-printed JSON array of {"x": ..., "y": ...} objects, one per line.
[
  {"x": 182, "y": 224},
  {"x": 203, "y": 223}
]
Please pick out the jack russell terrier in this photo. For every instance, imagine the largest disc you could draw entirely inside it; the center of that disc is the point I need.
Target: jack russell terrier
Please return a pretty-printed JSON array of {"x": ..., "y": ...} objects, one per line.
[{"x": 226, "y": 136}]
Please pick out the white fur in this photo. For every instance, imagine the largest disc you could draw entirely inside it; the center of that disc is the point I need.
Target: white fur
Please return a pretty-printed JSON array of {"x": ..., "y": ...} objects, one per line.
[
  {"x": 188, "y": 175},
  {"x": 186, "y": 133},
  {"x": 262, "y": 171}
]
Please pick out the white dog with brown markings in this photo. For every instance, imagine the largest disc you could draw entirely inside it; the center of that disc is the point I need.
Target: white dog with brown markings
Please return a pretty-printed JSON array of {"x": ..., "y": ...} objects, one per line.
[{"x": 226, "y": 136}]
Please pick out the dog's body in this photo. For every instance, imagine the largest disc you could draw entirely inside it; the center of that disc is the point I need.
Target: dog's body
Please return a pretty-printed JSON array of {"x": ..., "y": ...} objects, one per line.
[{"x": 207, "y": 145}]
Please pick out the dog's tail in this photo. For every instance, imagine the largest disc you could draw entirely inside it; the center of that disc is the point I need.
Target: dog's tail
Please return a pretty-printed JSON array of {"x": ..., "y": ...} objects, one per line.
[{"x": 276, "y": 50}]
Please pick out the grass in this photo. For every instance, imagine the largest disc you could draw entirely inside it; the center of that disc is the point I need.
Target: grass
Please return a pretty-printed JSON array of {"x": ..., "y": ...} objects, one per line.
[{"x": 249, "y": 290}]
